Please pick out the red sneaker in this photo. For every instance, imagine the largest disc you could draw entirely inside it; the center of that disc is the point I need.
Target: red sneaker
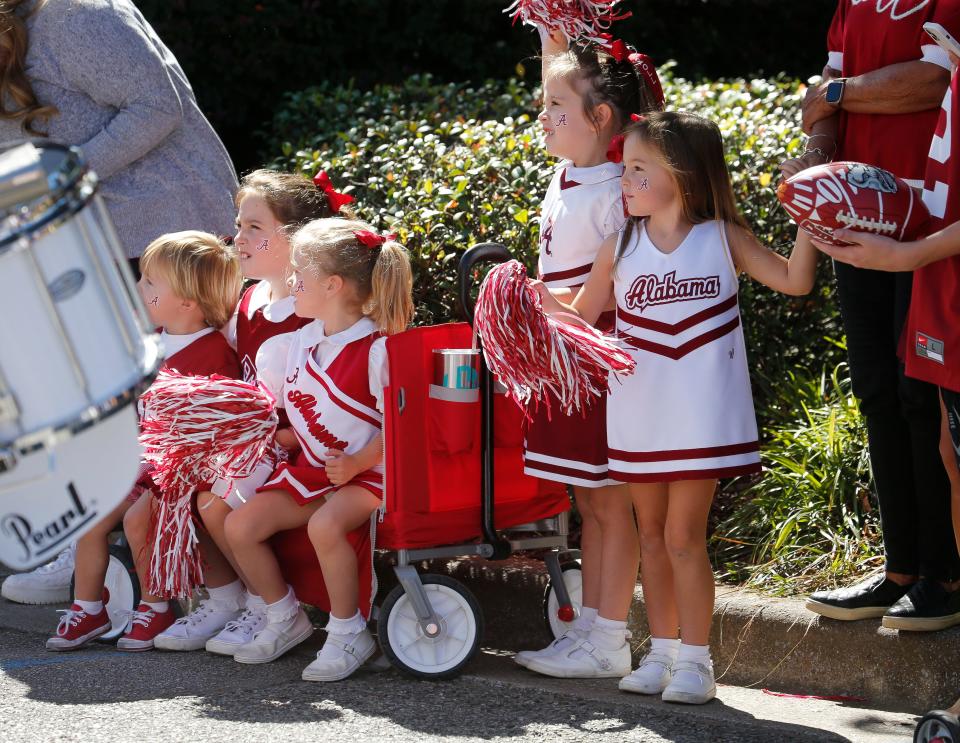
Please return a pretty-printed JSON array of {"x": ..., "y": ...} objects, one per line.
[
  {"x": 77, "y": 628},
  {"x": 145, "y": 625}
]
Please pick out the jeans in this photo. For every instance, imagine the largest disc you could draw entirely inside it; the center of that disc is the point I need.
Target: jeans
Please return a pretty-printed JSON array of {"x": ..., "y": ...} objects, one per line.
[{"x": 903, "y": 426}]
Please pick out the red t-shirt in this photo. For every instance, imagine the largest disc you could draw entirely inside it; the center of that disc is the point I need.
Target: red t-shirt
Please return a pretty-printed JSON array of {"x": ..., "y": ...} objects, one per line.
[
  {"x": 209, "y": 354},
  {"x": 932, "y": 334},
  {"x": 869, "y": 34}
]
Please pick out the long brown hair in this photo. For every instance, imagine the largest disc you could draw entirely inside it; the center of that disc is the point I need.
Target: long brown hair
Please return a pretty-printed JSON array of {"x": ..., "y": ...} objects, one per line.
[
  {"x": 292, "y": 198},
  {"x": 14, "y": 84},
  {"x": 691, "y": 148}
]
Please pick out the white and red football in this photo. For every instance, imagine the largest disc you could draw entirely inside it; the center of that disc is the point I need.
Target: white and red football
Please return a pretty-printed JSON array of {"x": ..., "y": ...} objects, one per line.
[{"x": 853, "y": 196}]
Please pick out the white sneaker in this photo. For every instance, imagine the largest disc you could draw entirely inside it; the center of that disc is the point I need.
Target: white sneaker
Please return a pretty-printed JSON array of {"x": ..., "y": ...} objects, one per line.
[
  {"x": 340, "y": 656},
  {"x": 238, "y": 632},
  {"x": 275, "y": 639},
  {"x": 652, "y": 676},
  {"x": 584, "y": 660},
  {"x": 47, "y": 584},
  {"x": 565, "y": 641},
  {"x": 192, "y": 631},
  {"x": 692, "y": 683}
]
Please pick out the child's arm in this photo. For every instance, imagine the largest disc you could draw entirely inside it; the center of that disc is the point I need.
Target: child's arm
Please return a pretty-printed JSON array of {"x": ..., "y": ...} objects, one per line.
[
  {"x": 886, "y": 254},
  {"x": 342, "y": 468},
  {"x": 794, "y": 275},
  {"x": 551, "y": 43},
  {"x": 594, "y": 296}
]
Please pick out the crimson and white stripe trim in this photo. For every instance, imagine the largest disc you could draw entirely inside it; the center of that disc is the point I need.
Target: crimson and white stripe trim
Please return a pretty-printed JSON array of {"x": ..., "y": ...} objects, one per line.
[{"x": 341, "y": 399}]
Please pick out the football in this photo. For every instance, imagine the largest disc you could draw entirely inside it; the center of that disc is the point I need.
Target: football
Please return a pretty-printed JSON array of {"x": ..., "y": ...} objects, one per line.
[{"x": 855, "y": 196}]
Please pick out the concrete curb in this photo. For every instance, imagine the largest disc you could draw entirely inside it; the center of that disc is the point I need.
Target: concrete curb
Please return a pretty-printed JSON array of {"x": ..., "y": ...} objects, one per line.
[{"x": 757, "y": 641}]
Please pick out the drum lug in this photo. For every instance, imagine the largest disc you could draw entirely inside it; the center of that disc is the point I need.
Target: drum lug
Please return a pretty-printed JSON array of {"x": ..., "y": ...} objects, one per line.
[{"x": 8, "y": 460}]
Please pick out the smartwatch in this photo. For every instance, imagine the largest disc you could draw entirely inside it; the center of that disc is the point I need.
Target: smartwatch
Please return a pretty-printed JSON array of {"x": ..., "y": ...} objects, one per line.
[{"x": 834, "y": 94}]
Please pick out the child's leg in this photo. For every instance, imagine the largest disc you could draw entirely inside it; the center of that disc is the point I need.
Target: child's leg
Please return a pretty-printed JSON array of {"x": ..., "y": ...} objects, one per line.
[
  {"x": 656, "y": 576},
  {"x": 347, "y": 509},
  {"x": 136, "y": 525},
  {"x": 590, "y": 547},
  {"x": 951, "y": 462},
  {"x": 686, "y": 541},
  {"x": 349, "y": 642},
  {"x": 213, "y": 512},
  {"x": 93, "y": 556},
  {"x": 249, "y": 527},
  {"x": 619, "y": 551},
  {"x": 247, "y": 530}
]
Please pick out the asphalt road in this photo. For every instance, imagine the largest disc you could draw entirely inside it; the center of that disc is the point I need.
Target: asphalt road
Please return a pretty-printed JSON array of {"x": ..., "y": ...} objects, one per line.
[{"x": 100, "y": 694}]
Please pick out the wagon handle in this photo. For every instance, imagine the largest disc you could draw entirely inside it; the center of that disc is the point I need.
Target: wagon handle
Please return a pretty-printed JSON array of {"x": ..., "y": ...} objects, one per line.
[{"x": 479, "y": 253}]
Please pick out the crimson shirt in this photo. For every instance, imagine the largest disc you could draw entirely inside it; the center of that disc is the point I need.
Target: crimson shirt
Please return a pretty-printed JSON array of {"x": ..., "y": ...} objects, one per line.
[
  {"x": 869, "y": 34},
  {"x": 932, "y": 334}
]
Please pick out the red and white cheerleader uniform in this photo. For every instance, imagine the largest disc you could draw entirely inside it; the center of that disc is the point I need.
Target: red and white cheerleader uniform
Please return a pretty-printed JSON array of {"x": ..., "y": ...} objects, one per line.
[
  {"x": 256, "y": 321},
  {"x": 686, "y": 413},
  {"x": 583, "y": 206}
]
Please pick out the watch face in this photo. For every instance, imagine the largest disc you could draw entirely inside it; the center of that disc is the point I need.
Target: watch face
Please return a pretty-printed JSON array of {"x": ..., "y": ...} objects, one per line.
[{"x": 834, "y": 91}]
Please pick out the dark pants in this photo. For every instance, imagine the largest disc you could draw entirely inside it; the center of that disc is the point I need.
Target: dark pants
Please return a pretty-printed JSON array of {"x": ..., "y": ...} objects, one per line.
[
  {"x": 951, "y": 401},
  {"x": 903, "y": 426}
]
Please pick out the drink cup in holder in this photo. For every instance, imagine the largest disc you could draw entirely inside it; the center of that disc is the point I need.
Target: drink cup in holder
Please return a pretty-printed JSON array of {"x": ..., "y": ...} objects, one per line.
[{"x": 454, "y": 425}]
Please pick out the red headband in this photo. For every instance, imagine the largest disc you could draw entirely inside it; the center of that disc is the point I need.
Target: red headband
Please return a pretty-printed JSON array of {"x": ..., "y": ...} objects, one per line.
[
  {"x": 335, "y": 199},
  {"x": 649, "y": 71},
  {"x": 615, "y": 148},
  {"x": 372, "y": 239}
]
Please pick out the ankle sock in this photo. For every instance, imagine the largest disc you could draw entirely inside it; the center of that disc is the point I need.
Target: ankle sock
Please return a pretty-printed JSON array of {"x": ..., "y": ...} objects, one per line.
[
  {"x": 90, "y": 607},
  {"x": 283, "y": 609},
  {"x": 252, "y": 601},
  {"x": 608, "y": 634},
  {"x": 694, "y": 653},
  {"x": 584, "y": 622},
  {"x": 352, "y": 626},
  {"x": 665, "y": 646},
  {"x": 230, "y": 595},
  {"x": 158, "y": 606}
]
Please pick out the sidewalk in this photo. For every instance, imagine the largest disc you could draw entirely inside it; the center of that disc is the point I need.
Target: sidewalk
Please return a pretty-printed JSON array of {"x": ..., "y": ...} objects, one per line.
[{"x": 757, "y": 642}]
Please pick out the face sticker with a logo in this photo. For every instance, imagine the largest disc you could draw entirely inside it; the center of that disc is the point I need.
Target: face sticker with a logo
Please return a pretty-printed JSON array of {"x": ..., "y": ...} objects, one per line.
[
  {"x": 562, "y": 120},
  {"x": 264, "y": 245},
  {"x": 298, "y": 287},
  {"x": 155, "y": 301}
]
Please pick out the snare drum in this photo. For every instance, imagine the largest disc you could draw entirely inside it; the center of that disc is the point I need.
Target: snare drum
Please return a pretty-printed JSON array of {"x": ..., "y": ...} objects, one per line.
[{"x": 76, "y": 350}]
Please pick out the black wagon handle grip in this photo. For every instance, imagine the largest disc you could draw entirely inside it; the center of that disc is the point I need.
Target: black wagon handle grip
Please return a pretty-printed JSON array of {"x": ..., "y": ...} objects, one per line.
[{"x": 480, "y": 253}]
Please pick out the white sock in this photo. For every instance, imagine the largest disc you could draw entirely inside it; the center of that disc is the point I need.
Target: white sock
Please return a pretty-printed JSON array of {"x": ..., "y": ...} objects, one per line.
[
  {"x": 158, "y": 606},
  {"x": 352, "y": 626},
  {"x": 694, "y": 653},
  {"x": 665, "y": 646},
  {"x": 90, "y": 607},
  {"x": 283, "y": 609},
  {"x": 608, "y": 634},
  {"x": 584, "y": 623},
  {"x": 228, "y": 594},
  {"x": 255, "y": 602}
]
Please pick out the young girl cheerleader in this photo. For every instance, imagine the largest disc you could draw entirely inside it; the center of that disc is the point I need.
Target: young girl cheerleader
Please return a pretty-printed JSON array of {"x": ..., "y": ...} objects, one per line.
[
  {"x": 329, "y": 377},
  {"x": 270, "y": 206},
  {"x": 189, "y": 283},
  {"x": 685, "y": 417},
  {"x": 588, "y": 93}
]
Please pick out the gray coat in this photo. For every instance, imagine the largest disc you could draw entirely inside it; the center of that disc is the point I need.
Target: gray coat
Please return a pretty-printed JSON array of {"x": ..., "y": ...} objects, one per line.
[{"x": 124, "y": 99}]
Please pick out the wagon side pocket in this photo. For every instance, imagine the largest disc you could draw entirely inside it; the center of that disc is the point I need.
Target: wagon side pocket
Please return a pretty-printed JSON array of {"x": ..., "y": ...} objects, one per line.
[{"x": 454, "y": 425}]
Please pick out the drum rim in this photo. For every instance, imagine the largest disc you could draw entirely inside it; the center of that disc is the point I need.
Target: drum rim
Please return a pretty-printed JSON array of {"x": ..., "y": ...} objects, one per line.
[
  {"x": 93, "y": 415},
  {"x": 76, "y": 190}
]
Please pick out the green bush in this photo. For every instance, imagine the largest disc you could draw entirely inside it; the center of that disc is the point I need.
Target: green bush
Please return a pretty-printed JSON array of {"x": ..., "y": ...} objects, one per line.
[{"x": 809, "y": 521}]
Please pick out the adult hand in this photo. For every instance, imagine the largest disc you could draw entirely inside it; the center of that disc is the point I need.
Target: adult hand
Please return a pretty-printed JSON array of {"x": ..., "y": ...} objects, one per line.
[
  {"x": 341, "y": 468},
  {"x": 796, "y": 164},
  {"x": 870, "y": 251},
  {"x": 815, "y": 106}
]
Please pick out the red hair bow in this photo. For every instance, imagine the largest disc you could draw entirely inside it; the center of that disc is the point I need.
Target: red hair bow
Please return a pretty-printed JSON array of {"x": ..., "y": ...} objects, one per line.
[
  {"x": 372, "y": 239},
  {"x": 615, "y": 149},
  {"x": 336, "y": 199},
  {"x": 637, "y": 117},
  {"x": 649, "y": 71},
  {"x": 616, "y": 48}
]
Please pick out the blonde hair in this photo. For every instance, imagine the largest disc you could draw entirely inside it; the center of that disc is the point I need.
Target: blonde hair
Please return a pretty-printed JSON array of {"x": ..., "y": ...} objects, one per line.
[
  {"x": 381, "y": 275},
  {"x": 200, "y": 268},
  {"x": 14, "y": 84}
]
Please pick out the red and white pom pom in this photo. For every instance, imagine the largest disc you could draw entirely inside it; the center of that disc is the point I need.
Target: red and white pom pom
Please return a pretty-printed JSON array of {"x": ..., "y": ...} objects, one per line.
[
  {"x": 576, "y": 19},
  {"x": 531, "y": 353},
  {"x": 196, "y": 429}
]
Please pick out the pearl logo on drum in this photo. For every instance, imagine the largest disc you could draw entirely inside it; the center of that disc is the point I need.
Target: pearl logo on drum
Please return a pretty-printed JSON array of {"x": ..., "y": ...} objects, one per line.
[
  {"x": 66, "y": 285},
  {"x": 49, "y": 538}
]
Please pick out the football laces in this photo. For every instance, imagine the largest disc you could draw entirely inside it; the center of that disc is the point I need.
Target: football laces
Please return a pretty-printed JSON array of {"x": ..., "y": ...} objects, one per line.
[{"x": 864, "y": 223}]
